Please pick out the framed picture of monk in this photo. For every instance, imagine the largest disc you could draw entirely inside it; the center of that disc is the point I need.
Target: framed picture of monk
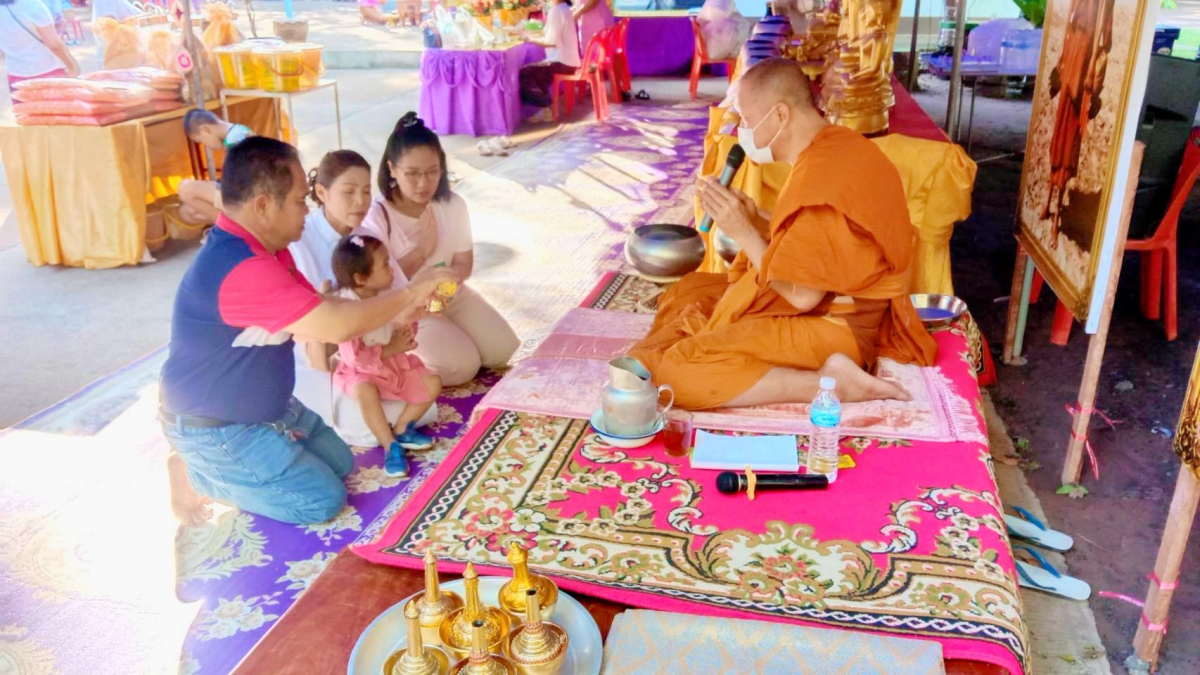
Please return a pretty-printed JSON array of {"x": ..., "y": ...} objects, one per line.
[
  {"x": 1187, "y": 435},
  {"x": 1081, "y": 103}
]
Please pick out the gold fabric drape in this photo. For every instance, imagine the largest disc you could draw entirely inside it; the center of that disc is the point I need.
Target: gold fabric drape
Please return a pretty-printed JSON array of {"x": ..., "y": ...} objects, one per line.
[{"x": 80, "y": 193}]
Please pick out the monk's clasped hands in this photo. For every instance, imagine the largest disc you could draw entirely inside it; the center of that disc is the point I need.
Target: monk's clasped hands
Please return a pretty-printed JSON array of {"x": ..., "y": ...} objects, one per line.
[{"x": 731, "y": 209}]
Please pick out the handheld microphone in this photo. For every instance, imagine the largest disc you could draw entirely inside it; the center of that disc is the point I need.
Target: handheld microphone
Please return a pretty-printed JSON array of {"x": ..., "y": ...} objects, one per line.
[
  {"x": 731, "y": 483},
  {"x": 732, "y": 163}
]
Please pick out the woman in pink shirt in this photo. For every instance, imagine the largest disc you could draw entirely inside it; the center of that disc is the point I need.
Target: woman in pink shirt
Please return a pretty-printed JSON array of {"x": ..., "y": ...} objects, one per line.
[{"x": 592, "y": 16}]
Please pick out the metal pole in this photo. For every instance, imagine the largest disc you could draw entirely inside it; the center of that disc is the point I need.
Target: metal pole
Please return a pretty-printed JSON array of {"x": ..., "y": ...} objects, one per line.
[
  {"x": 914, "y": 68},
  {"x": 1023, "y": 307},
  {"x": 955, "y": 104},
  {"x": 190, "y": 43}
]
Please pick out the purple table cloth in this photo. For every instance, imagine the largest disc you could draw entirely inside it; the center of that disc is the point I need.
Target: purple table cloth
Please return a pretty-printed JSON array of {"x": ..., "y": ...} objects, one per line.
[
  {"x": 660, "y": 45},
  {"x": 474, "y": 92}
]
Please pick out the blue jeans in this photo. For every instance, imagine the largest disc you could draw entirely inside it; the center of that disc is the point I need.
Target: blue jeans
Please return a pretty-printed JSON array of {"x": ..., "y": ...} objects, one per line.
[{"x": 290, "y": 470}]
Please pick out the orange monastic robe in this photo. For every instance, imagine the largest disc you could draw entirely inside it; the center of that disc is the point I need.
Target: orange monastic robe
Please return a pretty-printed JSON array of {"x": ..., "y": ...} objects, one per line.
[{"x": 841, "y": 225}]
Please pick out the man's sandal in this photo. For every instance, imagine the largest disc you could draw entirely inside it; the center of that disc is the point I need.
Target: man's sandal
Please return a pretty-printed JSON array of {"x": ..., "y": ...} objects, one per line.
[
  {"x": 1049, "y": 580},
  {"x": 1032, "y": 530}
]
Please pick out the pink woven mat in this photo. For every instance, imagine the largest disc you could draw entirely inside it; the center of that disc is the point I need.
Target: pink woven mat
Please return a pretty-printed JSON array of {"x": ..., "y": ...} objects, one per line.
[{"x": 566, "y": 373}]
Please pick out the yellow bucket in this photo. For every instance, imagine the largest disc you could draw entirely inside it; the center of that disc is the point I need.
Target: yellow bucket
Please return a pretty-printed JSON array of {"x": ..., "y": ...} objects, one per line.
[
  {"x": 237, "y": 66},
  {"x": 279, "y": 68},
  {"x": 313, "y": 68}
]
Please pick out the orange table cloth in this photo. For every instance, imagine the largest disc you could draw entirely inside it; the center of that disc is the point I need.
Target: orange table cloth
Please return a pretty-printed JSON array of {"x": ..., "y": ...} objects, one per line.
[{"x": 80, "y": 193}]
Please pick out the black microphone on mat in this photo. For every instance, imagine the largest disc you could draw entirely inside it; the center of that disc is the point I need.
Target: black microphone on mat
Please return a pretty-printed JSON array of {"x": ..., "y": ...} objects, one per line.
[
  {"x": 732, "y": 163},
  {"x": 731, "y": 483}
]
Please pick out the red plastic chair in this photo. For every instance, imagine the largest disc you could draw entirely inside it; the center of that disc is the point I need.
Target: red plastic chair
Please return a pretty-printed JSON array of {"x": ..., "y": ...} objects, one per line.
[
  {"x": 1159, "y": 251},
  {"x": 700, "y": 59},
  {"x": 622, "y": 80},
  {"x": 591, "y": 73}
]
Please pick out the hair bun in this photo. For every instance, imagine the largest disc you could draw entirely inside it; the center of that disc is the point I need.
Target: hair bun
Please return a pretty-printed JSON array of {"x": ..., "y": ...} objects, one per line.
[{"x": 409, "y": 119}]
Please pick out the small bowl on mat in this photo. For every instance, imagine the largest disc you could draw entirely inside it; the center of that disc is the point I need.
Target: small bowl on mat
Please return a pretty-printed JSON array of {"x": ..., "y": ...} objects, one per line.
[
  {"x": 627, "y": 442},
  {"x": 669, "y": 251},
  {"x": 936, "y": 310}
]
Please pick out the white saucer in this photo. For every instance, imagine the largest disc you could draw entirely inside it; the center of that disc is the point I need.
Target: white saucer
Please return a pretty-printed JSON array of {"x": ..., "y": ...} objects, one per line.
[
  {"x": 387, "y": 633},
  {"x": 627, "y": 442}
]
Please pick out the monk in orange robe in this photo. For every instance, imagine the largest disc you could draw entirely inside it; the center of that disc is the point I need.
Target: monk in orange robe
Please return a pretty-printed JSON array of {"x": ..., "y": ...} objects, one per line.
[
  {"x": 819, "y": 289},
  {"x": 1077, "y": 81}
]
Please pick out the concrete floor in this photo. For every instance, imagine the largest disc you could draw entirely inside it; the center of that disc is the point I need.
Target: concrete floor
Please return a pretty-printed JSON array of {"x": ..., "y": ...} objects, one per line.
[{"x": 100, "y": 320}]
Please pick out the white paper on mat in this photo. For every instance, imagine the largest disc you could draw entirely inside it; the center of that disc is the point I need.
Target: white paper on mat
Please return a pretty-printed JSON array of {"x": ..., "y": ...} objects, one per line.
[{"x": 734, "y": 453}]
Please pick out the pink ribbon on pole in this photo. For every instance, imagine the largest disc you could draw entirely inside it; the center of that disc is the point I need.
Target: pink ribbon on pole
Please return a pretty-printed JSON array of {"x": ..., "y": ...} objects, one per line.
[
  {"x": 1077, "y": 409},
  {"x": 1153, "y": 627}
]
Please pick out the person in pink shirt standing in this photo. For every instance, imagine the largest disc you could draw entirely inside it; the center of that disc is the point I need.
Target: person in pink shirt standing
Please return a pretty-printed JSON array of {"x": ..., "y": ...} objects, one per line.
[{"x": 592, "y": 16}]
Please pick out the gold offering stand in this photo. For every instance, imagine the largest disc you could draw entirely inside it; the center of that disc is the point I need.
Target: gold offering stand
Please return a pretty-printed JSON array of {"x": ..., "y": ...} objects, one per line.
[
  {"x": 476, "y": 634},
  {"x": 514, "y": 594},
  {"x": 435, "y": 605},
  {"x": 538, "y": 647},
  {"x": 416, "y": 658},
  {"x": 456, "y": 631},
  {"x": 481, "y": 660}
]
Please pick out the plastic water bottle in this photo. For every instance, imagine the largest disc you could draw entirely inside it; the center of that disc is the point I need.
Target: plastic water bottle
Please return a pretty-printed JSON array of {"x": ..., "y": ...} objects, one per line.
[{"x": 826, "y": 415}]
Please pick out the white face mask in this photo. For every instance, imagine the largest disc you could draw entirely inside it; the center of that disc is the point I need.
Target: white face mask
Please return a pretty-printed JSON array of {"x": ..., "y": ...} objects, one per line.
[{"x": 754, "y": 153}]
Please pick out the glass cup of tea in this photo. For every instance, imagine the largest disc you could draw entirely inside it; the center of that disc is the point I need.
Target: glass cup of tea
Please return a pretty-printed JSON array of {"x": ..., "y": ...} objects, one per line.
[{"x": 677, "y": 432}]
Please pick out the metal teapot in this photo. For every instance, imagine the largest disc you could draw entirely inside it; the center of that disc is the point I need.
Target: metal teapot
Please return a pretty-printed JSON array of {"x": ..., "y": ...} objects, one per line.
[{"x": 630, "y": 399}]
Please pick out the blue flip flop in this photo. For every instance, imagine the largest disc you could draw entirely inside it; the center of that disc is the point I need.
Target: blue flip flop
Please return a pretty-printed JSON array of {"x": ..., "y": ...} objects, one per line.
[
  {"x": 1033, "y": 530},
  {"x": 1049, "y": 580}
]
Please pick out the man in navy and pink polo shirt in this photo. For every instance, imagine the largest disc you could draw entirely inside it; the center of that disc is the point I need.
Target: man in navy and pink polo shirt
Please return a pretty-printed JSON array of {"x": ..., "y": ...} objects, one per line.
[{"x": 227, "y": 410}]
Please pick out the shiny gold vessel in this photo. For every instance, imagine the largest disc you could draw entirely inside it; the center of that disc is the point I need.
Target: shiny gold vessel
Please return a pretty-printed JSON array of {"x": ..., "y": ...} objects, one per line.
[
  {"x": 856, "y": 91},
  {"x": 435, "y": 605},
  {"x": 415, "y": 658},
  {"x": 481, "y": 660},
  {"x": 456, "y": 631},
  {"x": 513, "y": 594},
  {"x": 537, "y": 648}
]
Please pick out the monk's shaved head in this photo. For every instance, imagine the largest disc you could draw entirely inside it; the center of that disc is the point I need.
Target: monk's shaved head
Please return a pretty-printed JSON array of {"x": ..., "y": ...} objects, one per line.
[
  {"x": 778, "y": 79},
  {"x": 779, "y": 119}
]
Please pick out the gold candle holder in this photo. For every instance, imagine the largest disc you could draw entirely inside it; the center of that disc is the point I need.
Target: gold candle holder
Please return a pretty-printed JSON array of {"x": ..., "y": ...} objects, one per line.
[
  {"x": 537, "y": 648},
  {"x": 456, "y": 631},
  {"x": 481, "y": 660},
  {"x": 436, "y": 604},
  {"x": 416, "y": 658},
  {"x": 513, "y": 595}
]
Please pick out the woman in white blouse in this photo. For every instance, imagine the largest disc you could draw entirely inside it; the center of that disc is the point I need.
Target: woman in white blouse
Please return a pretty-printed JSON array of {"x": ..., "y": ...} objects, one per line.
[
  {"x": 341, "y": 188},
  {"x": 425, "y": 224}
]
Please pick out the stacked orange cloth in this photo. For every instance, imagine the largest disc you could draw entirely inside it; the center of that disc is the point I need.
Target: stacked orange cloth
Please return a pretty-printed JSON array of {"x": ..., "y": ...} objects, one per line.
[{"x": 98, "y": 100}]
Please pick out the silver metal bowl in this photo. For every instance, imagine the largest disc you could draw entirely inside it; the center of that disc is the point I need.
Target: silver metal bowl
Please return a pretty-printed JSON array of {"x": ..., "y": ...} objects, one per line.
[
  {"x": 664, "y": 250},
  {"x": 726, "y": 247},
  {"x": 937, "y": 309}
]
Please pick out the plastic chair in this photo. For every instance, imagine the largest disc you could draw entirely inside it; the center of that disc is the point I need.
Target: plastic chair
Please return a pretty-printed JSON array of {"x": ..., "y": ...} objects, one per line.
[
  {"x": 1159, "y": 251},
  {"x": 590, "y": 74},
  {"x": 700, "y": 59},
  {"x": 622, "y": 80}
]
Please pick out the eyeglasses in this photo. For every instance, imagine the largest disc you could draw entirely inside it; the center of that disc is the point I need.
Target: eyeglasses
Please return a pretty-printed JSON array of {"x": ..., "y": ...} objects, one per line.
[{"x": 414, "y": 176}]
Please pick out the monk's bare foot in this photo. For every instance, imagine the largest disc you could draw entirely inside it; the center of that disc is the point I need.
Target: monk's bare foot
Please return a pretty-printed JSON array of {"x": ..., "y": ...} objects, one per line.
[
  {"x": 855, "y": 384},
  {"x": 189, "y": 506}
]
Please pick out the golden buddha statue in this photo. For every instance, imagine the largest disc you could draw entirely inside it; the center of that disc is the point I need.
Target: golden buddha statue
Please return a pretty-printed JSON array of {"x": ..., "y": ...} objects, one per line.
[
  {"x": 820, "y": 21},
  {"x": 857, "y": 89}
]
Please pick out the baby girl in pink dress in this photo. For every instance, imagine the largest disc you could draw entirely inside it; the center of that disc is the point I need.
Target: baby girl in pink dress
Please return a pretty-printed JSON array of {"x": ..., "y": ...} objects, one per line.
[{"x": 376, "y": 367}]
